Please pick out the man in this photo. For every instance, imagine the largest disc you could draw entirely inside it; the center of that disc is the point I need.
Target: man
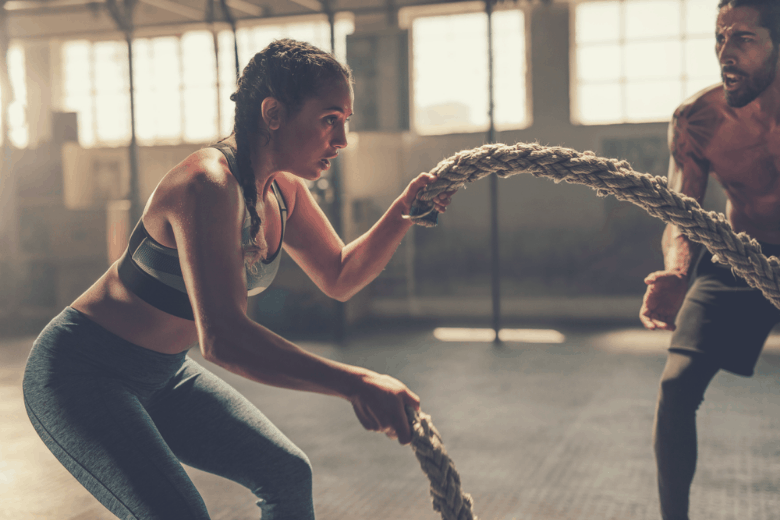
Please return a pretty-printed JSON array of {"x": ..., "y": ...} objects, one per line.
[{"x": 732, "y": 132}]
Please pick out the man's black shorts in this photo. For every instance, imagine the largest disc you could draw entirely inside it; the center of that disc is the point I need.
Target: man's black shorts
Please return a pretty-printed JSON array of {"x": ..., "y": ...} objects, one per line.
[{"x": 724, "y": 318}]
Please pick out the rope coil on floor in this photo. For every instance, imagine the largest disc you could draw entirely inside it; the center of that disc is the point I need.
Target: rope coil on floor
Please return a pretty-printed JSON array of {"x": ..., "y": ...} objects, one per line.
[
  {"x": 607, "y": 176},
  {"x": 447, "y": 497}
]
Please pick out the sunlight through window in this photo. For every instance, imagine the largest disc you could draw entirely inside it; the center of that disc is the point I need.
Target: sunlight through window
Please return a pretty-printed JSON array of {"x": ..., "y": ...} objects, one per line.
[
  {"x": 637, "y": 60},
  {"x": 18, "y": 130},
  {"x": 447, "y": 100},
  {"x": 180, "y": 93}
]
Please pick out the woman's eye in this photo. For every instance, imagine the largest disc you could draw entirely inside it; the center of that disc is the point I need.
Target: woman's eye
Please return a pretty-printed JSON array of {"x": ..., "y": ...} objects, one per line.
[{"x": 331, "y": 120}]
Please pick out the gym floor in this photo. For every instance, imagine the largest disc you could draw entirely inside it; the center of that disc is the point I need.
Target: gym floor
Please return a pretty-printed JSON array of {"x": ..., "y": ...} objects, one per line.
[{"x": 537, "y": 432}]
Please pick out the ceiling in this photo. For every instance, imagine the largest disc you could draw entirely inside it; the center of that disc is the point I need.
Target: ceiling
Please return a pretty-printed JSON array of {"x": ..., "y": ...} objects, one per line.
[{"x": 48, "y": 19}]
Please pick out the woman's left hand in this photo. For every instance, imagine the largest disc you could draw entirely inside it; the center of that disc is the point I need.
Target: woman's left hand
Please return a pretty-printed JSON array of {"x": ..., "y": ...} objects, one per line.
[{"x": 440, "y": 202}]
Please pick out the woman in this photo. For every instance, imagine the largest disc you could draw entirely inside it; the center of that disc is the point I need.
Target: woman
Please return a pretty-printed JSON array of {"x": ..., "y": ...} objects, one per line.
[{"x": 108, "y": 386}]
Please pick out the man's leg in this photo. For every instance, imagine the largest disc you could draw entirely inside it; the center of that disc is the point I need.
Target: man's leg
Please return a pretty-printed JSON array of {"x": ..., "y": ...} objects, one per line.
[{"x": 684, "y": 380}]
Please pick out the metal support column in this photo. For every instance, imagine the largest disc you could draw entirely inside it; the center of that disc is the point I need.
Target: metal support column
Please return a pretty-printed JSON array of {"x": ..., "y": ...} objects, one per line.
[
  {"x": 123, "y": 16},
  {"x": 215, "y": 37},
  {"x": 340, "y": 327},
  {"x": 232, "y": 21},
  {"x": 494, "y": 249}
]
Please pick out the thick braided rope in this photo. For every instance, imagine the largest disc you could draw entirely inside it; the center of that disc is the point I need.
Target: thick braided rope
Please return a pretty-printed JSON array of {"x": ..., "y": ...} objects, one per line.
[
  {"x": 447, "y": 497},
  {"x": 609, "y": 176}
]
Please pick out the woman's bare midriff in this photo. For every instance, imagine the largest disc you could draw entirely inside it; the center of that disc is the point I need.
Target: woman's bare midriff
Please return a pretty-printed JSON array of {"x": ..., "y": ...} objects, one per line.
[{"x": 109, "y": 304}]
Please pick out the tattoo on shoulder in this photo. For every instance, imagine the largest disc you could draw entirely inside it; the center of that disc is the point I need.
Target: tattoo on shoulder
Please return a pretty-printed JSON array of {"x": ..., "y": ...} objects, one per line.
[{"x": 693, "y": 127}]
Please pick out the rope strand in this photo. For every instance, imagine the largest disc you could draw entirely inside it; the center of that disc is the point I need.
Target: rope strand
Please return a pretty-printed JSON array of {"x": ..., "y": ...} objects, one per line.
[{"x": 447, "y": 497}]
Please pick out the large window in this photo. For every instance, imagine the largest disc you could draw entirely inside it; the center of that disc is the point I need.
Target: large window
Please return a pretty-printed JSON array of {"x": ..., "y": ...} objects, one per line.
[
  {"x": 180, "y": 93},
  {"x": 637, "y": 60},
  {"x": 450, "y": 72},
  {"x": 18, "y": 131}
]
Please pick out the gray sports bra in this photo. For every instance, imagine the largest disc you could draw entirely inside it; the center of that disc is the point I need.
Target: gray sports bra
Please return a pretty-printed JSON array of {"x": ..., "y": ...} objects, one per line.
[{"x": 152, "y": 271}]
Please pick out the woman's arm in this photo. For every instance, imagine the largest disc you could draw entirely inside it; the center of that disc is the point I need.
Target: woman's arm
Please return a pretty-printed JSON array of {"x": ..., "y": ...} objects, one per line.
[
  {"x": 206, "y": 221},
  {"x": 339, "y": 270}
]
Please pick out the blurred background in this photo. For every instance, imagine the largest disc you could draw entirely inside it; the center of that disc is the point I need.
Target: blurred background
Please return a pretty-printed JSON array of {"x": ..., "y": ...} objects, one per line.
[{"x": 80, "y": 158}]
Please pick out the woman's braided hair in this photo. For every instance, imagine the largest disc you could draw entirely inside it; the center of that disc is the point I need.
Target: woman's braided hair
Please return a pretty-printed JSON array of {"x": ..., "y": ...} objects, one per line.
[{"x": 290, "y": 71}]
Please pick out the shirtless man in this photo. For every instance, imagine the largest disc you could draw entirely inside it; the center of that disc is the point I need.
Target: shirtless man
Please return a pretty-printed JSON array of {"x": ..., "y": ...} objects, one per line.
[{"x": 732, "y": 132}]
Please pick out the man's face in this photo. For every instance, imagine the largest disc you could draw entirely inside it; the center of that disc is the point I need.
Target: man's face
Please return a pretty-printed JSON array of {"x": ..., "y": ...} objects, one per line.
[{"x": 747, "y": 55}]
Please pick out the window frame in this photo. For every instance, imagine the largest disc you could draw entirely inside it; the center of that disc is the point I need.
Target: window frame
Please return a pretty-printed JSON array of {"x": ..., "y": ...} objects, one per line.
[
  {"x": 406, "y": 18},
  {"x": 575, "y": 115}
]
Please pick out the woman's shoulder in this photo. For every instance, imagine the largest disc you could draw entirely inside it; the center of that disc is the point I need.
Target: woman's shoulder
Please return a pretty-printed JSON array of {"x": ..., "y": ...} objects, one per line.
[
  {"x": 291, "y": 187},
  {"x": 203, "y": 174}
]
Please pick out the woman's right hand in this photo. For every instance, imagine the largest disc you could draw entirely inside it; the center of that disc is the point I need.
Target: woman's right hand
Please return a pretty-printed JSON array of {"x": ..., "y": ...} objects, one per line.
[{"x": 380, "y": 405}]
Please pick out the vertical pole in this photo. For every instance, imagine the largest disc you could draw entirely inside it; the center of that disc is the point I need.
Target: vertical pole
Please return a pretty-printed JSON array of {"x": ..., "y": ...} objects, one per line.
[
  {"x": 123, "y": 16},
  {"x": 494, "y": 249},
  {"x": 136, "y": 207},
  {"x": 215, "y": 38},
  {"x": 340, "y": 329},
  {"x": 215, "y": 35},
  {"x": 232, "y": 21}
]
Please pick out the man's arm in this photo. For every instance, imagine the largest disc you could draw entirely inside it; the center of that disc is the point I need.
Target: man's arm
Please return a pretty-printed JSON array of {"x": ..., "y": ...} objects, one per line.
[
  {"x": 689, "y": 134},
  {"x": 688, "y": 174}
]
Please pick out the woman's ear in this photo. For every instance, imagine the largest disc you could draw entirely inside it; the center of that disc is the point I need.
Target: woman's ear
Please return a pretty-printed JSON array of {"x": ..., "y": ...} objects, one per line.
[{"x": 272, "y": 112}]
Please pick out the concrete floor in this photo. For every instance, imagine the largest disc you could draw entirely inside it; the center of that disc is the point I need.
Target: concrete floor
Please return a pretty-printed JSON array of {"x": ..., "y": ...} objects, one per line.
[{"x": 538, "y": 432}]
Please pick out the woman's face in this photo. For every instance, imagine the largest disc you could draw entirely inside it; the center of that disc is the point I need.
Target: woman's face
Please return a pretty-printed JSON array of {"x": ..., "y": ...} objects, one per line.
[{"x": 305, "y": 143}]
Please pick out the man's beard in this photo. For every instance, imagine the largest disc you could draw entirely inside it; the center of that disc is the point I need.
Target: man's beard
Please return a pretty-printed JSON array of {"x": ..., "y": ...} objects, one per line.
[{"x": 754, "y": 84}]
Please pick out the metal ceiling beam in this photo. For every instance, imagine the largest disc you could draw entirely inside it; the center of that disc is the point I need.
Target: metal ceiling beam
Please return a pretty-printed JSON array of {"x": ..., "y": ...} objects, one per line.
[
  {"x": 314, "y": 5},
  {"x": 246, "y": 8},
  {"x": 25, "y": 5},
  {"x": 176, "y": 8}
]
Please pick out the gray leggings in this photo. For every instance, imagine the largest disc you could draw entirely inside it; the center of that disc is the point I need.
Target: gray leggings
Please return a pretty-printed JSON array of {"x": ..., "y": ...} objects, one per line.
[
  {"x": 122, "y": 419},
  {"x": 683, "y": 383}
]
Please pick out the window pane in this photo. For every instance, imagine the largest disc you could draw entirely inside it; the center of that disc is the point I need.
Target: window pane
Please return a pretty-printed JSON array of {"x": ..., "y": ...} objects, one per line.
[
  {"x": 652, "y": 18},
  {"x": 168, "y": 114},
  {"x": 653, "y": 60},
  {"x": 17, "y": 110},
  {"x": 700, "y": 59},
  {"x": 198, "y": 61},
  {"x": 597, "y": 22},
  {"x": 77, "y": 68},
  {"x": 652, "y": 100},
  {"x": 111, "y": 67},
  {"x": 446, "y": 100},
  {"x": 112, "y": 118},
  {"x": 200, "y": 114},
  {"x": 510, "y": 69},
  {"x": 600, "y": 104},
  {"x": 599, "y": 63},
  {"x": 166, "y": 66},
  {"x": 700, "y": 16}
]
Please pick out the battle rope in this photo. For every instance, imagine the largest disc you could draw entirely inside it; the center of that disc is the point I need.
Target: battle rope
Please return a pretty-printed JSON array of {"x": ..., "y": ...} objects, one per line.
[
  {"x": 427, "y": 445},
  {"x": 607, "y": 176}
]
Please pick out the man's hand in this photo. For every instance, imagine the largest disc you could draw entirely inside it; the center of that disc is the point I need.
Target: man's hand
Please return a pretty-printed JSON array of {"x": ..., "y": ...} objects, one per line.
[{"x": 663, "y": 299}]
